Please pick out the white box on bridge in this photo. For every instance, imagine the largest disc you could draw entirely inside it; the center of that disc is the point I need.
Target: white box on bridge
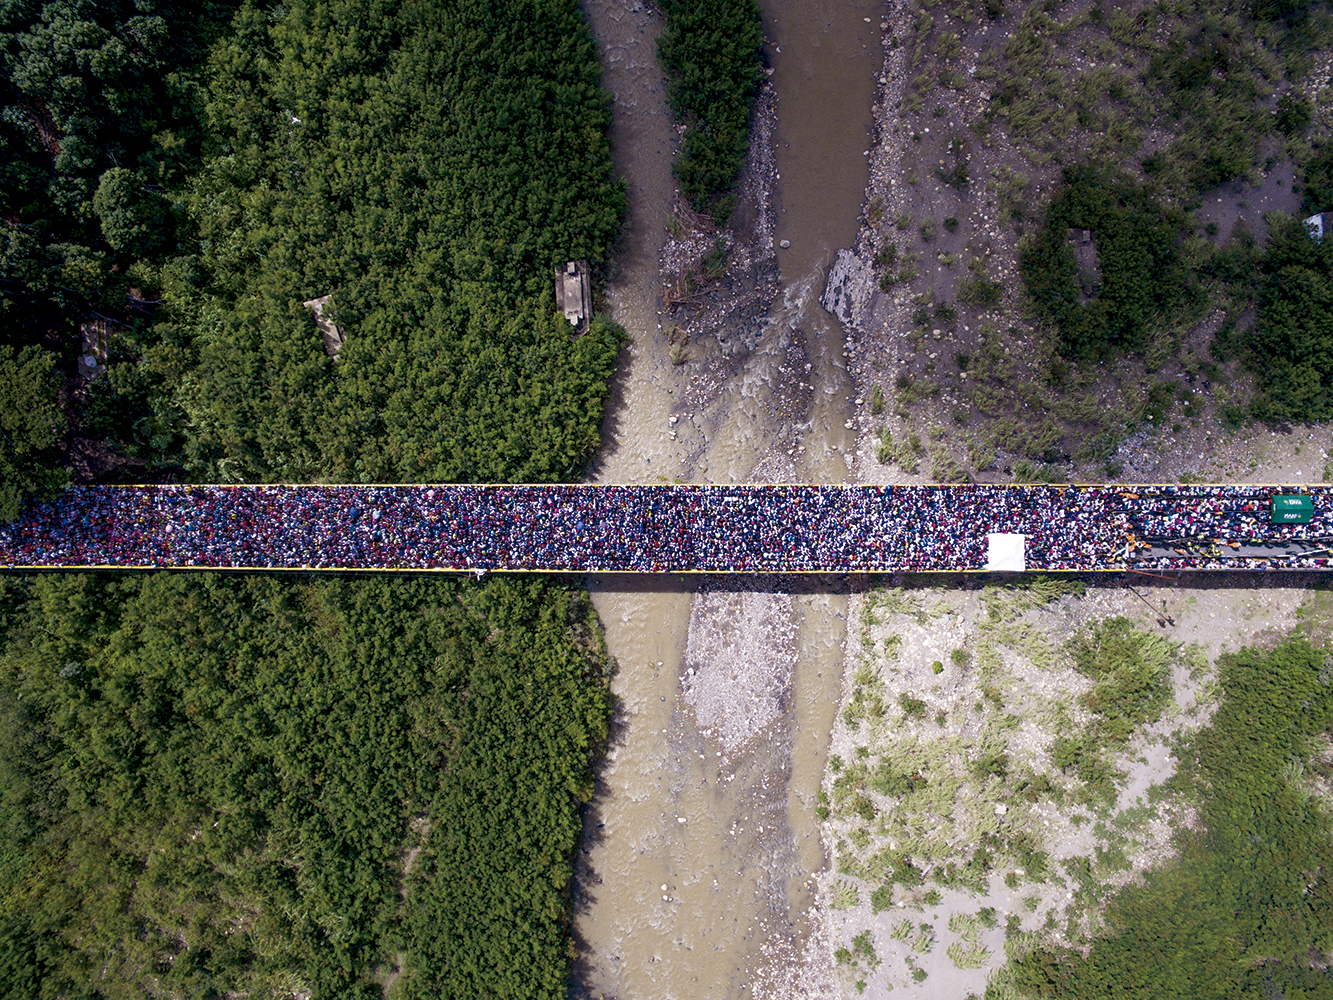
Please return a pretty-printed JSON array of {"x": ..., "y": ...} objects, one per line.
[{"x": 1005, "y": 552}]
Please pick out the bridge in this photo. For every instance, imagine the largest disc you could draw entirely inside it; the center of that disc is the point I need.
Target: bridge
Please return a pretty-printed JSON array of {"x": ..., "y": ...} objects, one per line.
[{"x": 674, "y": 528}]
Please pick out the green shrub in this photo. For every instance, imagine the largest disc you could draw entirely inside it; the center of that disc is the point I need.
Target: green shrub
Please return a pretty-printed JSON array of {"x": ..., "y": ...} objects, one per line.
[
  {"x": 1131, "y": 671},
  {"x": 882, "y": 898},
  {"x": 914, "y": 707},
  {"x": 890, "y": 780},
  {"x": 1141, "y": 274},
  {"x": 711, "y": 56},
  {"x": 864, "y": 950},
  {"x": 1290, "y": 346},
  {"x": 1293, "y": 115}
]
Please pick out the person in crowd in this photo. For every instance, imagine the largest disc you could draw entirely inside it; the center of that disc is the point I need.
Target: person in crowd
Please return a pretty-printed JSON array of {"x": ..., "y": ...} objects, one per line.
[{"x": 657, "y": 528}]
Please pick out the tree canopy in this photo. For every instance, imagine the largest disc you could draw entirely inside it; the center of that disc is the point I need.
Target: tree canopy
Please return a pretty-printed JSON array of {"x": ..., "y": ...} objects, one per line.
[
  {"x": 30, "y": 427},
  {"x": 212, "y": 784},
  {"x": 710, "y": 52},
  {"x": 425, "y": 164}
]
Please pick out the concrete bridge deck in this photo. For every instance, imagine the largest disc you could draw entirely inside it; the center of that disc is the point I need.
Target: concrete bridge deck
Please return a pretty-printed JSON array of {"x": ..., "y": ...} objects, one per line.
[{"x": 670, "y": 528}]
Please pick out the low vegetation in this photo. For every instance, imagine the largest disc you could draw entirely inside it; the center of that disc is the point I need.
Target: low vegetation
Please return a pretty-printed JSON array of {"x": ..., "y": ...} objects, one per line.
[
  {"x": 1245, "y": 908},
  {"x": 927, "y": 816}
]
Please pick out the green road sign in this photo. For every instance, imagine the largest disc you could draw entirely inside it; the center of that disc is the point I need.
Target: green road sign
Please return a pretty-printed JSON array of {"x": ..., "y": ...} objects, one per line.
[{"x": 1292, "y": 509}]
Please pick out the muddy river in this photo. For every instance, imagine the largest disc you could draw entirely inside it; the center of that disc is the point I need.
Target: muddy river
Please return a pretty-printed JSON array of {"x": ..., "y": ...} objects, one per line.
[{"x": 695, "y": 876}]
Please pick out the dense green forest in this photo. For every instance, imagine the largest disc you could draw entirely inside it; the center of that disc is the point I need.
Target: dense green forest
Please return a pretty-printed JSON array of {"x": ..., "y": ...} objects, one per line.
[
  {"x": 99, "y": 116},
  {"x": 1246, "y": 909},
  {"x": 213, "y": 784},
  {"x": 210, "y": 784},
  {"x": 426, "y": 164},
  {"x": 710, "y": 52}
]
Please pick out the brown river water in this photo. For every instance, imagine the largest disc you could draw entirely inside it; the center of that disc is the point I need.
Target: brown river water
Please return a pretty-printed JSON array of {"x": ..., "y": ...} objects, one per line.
[{"x": 701, "y": 843}]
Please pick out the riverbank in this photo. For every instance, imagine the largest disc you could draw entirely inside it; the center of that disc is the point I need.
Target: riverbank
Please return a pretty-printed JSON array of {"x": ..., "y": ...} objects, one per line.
[{"x": 942, "y": 868}]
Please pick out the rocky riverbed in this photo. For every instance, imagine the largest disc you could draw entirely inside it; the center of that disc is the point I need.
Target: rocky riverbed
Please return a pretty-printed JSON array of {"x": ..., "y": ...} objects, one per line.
[{"x": 701, "y": 841}]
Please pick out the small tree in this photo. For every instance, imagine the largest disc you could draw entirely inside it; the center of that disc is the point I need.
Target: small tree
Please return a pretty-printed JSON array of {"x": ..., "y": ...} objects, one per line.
[
  {"x": 30, "y": 427},
  {"x": 133, "y": 217}
]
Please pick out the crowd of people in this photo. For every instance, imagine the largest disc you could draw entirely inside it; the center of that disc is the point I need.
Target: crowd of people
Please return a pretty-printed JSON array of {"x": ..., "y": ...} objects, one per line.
[{"x": 649, "y": 528}]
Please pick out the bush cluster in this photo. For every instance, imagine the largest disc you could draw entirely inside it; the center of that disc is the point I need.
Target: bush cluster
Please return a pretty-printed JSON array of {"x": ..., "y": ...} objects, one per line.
[
  {"x": 1290, "y": 345},
  {"x": 710, "y": 52},
  {"x": 1141, "y": 273}
]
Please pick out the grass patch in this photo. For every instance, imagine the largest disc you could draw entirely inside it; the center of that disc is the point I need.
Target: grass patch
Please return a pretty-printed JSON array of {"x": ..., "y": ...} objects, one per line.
[
  {"x": 845, "y": 896},
  {"x": 966, "y": 955}
]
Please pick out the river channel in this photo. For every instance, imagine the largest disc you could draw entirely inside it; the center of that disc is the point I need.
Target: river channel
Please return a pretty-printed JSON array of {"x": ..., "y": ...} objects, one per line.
[{"x": 701, "y": 843}]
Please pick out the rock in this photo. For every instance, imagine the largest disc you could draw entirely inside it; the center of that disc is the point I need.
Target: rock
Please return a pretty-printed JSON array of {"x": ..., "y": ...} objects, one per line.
[
  {"x": 1001, "y": 809},
  {"x": 785, "y": 244},
  {"x": 851, "y": 284}
]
